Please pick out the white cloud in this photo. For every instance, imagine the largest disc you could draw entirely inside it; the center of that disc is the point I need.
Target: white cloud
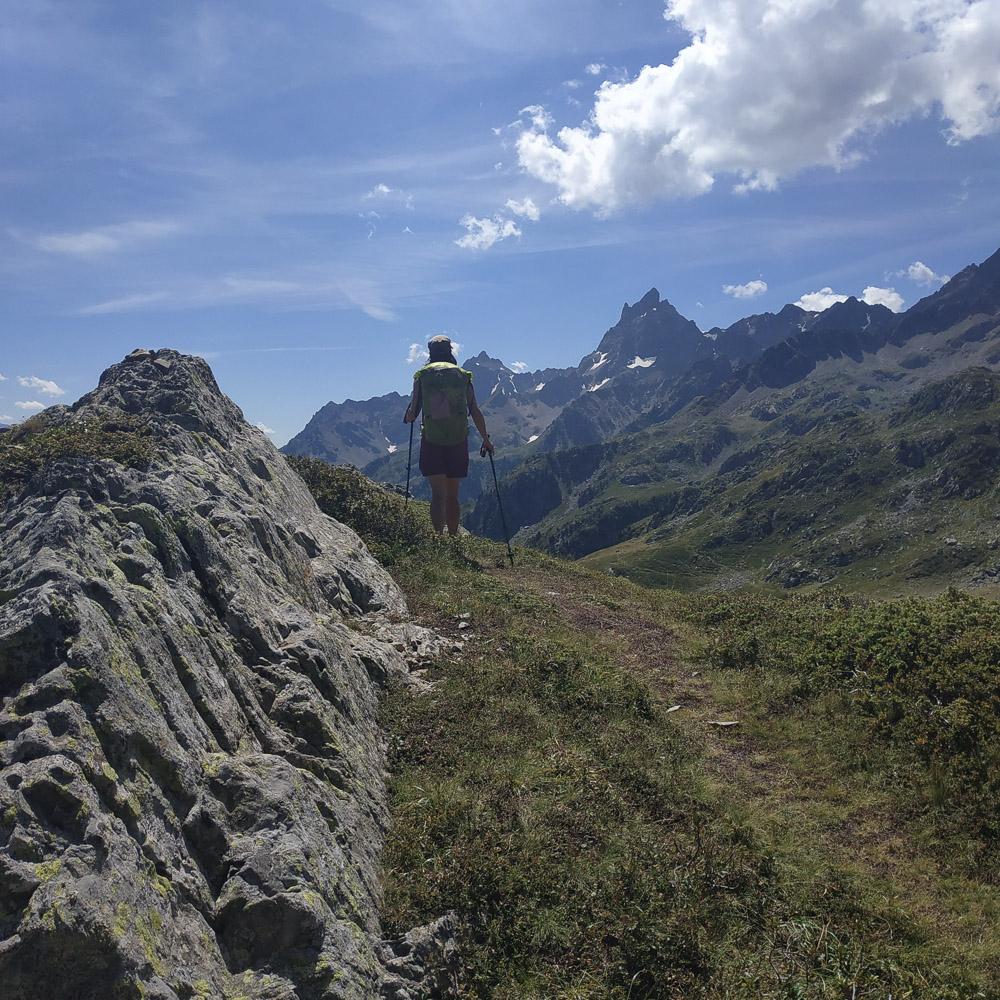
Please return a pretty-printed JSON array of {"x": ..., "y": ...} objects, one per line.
[
  {"x": 748, "y": 291},
  {"x": 526, "y": 208},
  {"x": 520, "y": 367},
  {"x": 105, "y": 239},
  {"x": 261, "y": 426},
  {"x": 919, "y": 272},
  {"x": 484, "y": 233},
  {"x": 3, "y": 378},
  {"x": 418, "y": 353},
  {"x": 540, "y": 118},
  {"x": 571, "y": 84},
  {"x": 821, "y": 300},
  {"x": 595, "y": 68},
  {"x": 31, "y": 405},
  {"x": 383, "y": 192},
  {"x": 6, "y": 418},
  {"x": 768, "y": 88},
  {"x": 43, "y": 385},
  {"x": 887, "y": 297}
]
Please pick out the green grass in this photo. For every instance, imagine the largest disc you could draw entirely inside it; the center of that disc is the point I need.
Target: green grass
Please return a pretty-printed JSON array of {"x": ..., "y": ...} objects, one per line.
[
  {"x": 919, "y": 677},
  {"x": 595, "y": 845}
]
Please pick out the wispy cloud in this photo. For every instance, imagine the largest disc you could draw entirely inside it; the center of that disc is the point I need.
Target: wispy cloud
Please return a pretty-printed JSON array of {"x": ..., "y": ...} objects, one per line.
[
  {"x": 43, "y": 385},
  {"x": 127, "y": 303},
  {"x": 311, "y": 287},
  {"x": 520, "y": 367},
  {"x": 366, "y": 296},
  {"x": 30, "y": 405},
  {"x": 261, "y": 426},
  {"x": 104, "y": 239},
  {"x": 750, "y": 290}
]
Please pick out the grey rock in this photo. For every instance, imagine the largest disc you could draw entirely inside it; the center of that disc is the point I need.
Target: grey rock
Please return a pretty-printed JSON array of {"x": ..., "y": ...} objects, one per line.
[{"x": 192, "y": 799}]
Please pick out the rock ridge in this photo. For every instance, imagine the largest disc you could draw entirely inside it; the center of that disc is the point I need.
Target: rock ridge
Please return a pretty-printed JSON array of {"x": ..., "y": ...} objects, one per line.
[{"x": 192, "y": 798}]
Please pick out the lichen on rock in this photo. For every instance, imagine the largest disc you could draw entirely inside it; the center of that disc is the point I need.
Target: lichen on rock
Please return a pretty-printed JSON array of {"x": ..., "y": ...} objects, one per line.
[{"x": 192, "y": 797}]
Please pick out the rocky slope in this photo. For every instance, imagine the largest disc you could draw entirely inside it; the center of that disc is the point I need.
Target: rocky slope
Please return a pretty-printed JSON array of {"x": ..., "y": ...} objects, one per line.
[{"x": 192, "y": 798}]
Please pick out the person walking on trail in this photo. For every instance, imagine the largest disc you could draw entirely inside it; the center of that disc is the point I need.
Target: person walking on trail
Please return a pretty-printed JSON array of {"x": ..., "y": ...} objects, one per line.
[{"x": 444, "y": 393}]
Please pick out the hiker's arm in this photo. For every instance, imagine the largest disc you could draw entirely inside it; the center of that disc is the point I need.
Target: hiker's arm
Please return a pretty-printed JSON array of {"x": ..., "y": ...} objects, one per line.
[
  {"x": 479, "y": 421},
  {"x": 413, "y": 410}
]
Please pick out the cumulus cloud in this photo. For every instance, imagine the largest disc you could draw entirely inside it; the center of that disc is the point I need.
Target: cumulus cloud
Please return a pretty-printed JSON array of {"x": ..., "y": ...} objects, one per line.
[
  {"x": 748, "y": 291},
  {"x": 821, "y": 300},
  {"x": 31, "y": 405},
  {"x": 767, "y": 88},
  {"x": 887, "y": 297},
  {"x": 261, "y": 426},
  {"x": 520, "y": 367},
  {"x": 43, "y": 385},
  {"x": 380, "y": 191},
  {"x": 483, "y": 233},
  {"x": 105, "y": 239},
  {"x": 3, "y": 378},
  {"x": 920, "y": 273},
  {"x": 526, "y": 208},
  {"x": 595, "y": 68},
  {"x": 417, "y": 354}
]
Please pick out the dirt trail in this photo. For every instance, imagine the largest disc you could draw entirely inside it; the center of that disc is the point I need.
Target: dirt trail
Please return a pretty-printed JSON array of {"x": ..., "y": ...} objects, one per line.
[{"x": 787, "y": 788}]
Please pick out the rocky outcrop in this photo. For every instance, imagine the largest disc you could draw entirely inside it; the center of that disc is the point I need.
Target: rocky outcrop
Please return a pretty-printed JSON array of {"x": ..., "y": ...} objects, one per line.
[{"x": 192, "y": 795}]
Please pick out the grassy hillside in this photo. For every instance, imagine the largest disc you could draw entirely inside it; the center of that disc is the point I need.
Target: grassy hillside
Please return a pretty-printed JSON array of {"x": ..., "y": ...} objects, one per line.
[
  {"x": 627, "y": 793},
  {"x": 807, "y": 486}
]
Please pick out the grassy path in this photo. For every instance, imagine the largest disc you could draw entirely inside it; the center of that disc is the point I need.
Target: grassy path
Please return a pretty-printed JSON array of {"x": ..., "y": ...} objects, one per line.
[
  {"x": 784, "y": 775},
  {"x": 597, "y": 842}
]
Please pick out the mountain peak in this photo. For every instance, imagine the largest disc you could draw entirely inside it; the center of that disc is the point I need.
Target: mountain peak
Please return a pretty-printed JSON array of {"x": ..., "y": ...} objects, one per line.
[
  {"x": 485, "y": 362},
  {"x": 649, "y": 301}
]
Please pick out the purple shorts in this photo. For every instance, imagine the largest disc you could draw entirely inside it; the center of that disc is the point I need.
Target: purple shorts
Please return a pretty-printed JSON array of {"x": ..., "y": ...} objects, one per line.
[{"x": 451, "y": 460}]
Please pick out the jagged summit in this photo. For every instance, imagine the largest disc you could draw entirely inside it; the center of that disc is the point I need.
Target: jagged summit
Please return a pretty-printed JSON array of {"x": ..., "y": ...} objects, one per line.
[
  {"x": 192, "y": 766},
  {"x": 649, "y": 301}
]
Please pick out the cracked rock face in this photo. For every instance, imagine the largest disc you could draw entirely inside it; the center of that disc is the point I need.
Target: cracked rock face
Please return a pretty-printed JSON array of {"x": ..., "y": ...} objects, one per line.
[{"x": 192, "y": 796}]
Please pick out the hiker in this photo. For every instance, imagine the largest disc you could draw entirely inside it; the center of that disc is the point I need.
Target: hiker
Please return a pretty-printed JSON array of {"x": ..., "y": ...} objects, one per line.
[{"x": 444, "y": 392}]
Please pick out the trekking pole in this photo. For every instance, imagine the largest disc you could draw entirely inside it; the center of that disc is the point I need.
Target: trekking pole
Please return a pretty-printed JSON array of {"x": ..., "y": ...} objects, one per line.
[
  {"x": 409, "y": 458},
  {"x": 503, "y": 519}
]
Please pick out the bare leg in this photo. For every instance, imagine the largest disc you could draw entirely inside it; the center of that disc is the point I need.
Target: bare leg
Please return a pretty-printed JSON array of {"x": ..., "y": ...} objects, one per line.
[
  {"x": 452, "y": 508},
  {"x": 439, "y": 493}
]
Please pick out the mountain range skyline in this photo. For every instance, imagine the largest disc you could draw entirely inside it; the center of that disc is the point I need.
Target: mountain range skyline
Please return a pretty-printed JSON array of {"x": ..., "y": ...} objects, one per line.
[{"x": 299, "y": 194}]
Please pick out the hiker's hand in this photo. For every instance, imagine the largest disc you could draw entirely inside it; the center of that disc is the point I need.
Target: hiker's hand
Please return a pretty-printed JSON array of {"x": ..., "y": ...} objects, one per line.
[{"x": 487, "y": 448}]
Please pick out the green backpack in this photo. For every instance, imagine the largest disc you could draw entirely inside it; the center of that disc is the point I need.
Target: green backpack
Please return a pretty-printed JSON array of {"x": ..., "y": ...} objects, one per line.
[{"x": 444, "y": 402}]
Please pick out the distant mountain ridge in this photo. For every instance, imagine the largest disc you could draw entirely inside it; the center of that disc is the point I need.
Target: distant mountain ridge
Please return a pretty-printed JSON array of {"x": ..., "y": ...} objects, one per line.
[
  {"x": 656, "y": 421},
  {"x": 555, "y": 407}
]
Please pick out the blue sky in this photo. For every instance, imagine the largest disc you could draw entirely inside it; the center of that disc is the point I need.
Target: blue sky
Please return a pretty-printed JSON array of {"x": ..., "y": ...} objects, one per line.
[{"x": 282, "y": 187}]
